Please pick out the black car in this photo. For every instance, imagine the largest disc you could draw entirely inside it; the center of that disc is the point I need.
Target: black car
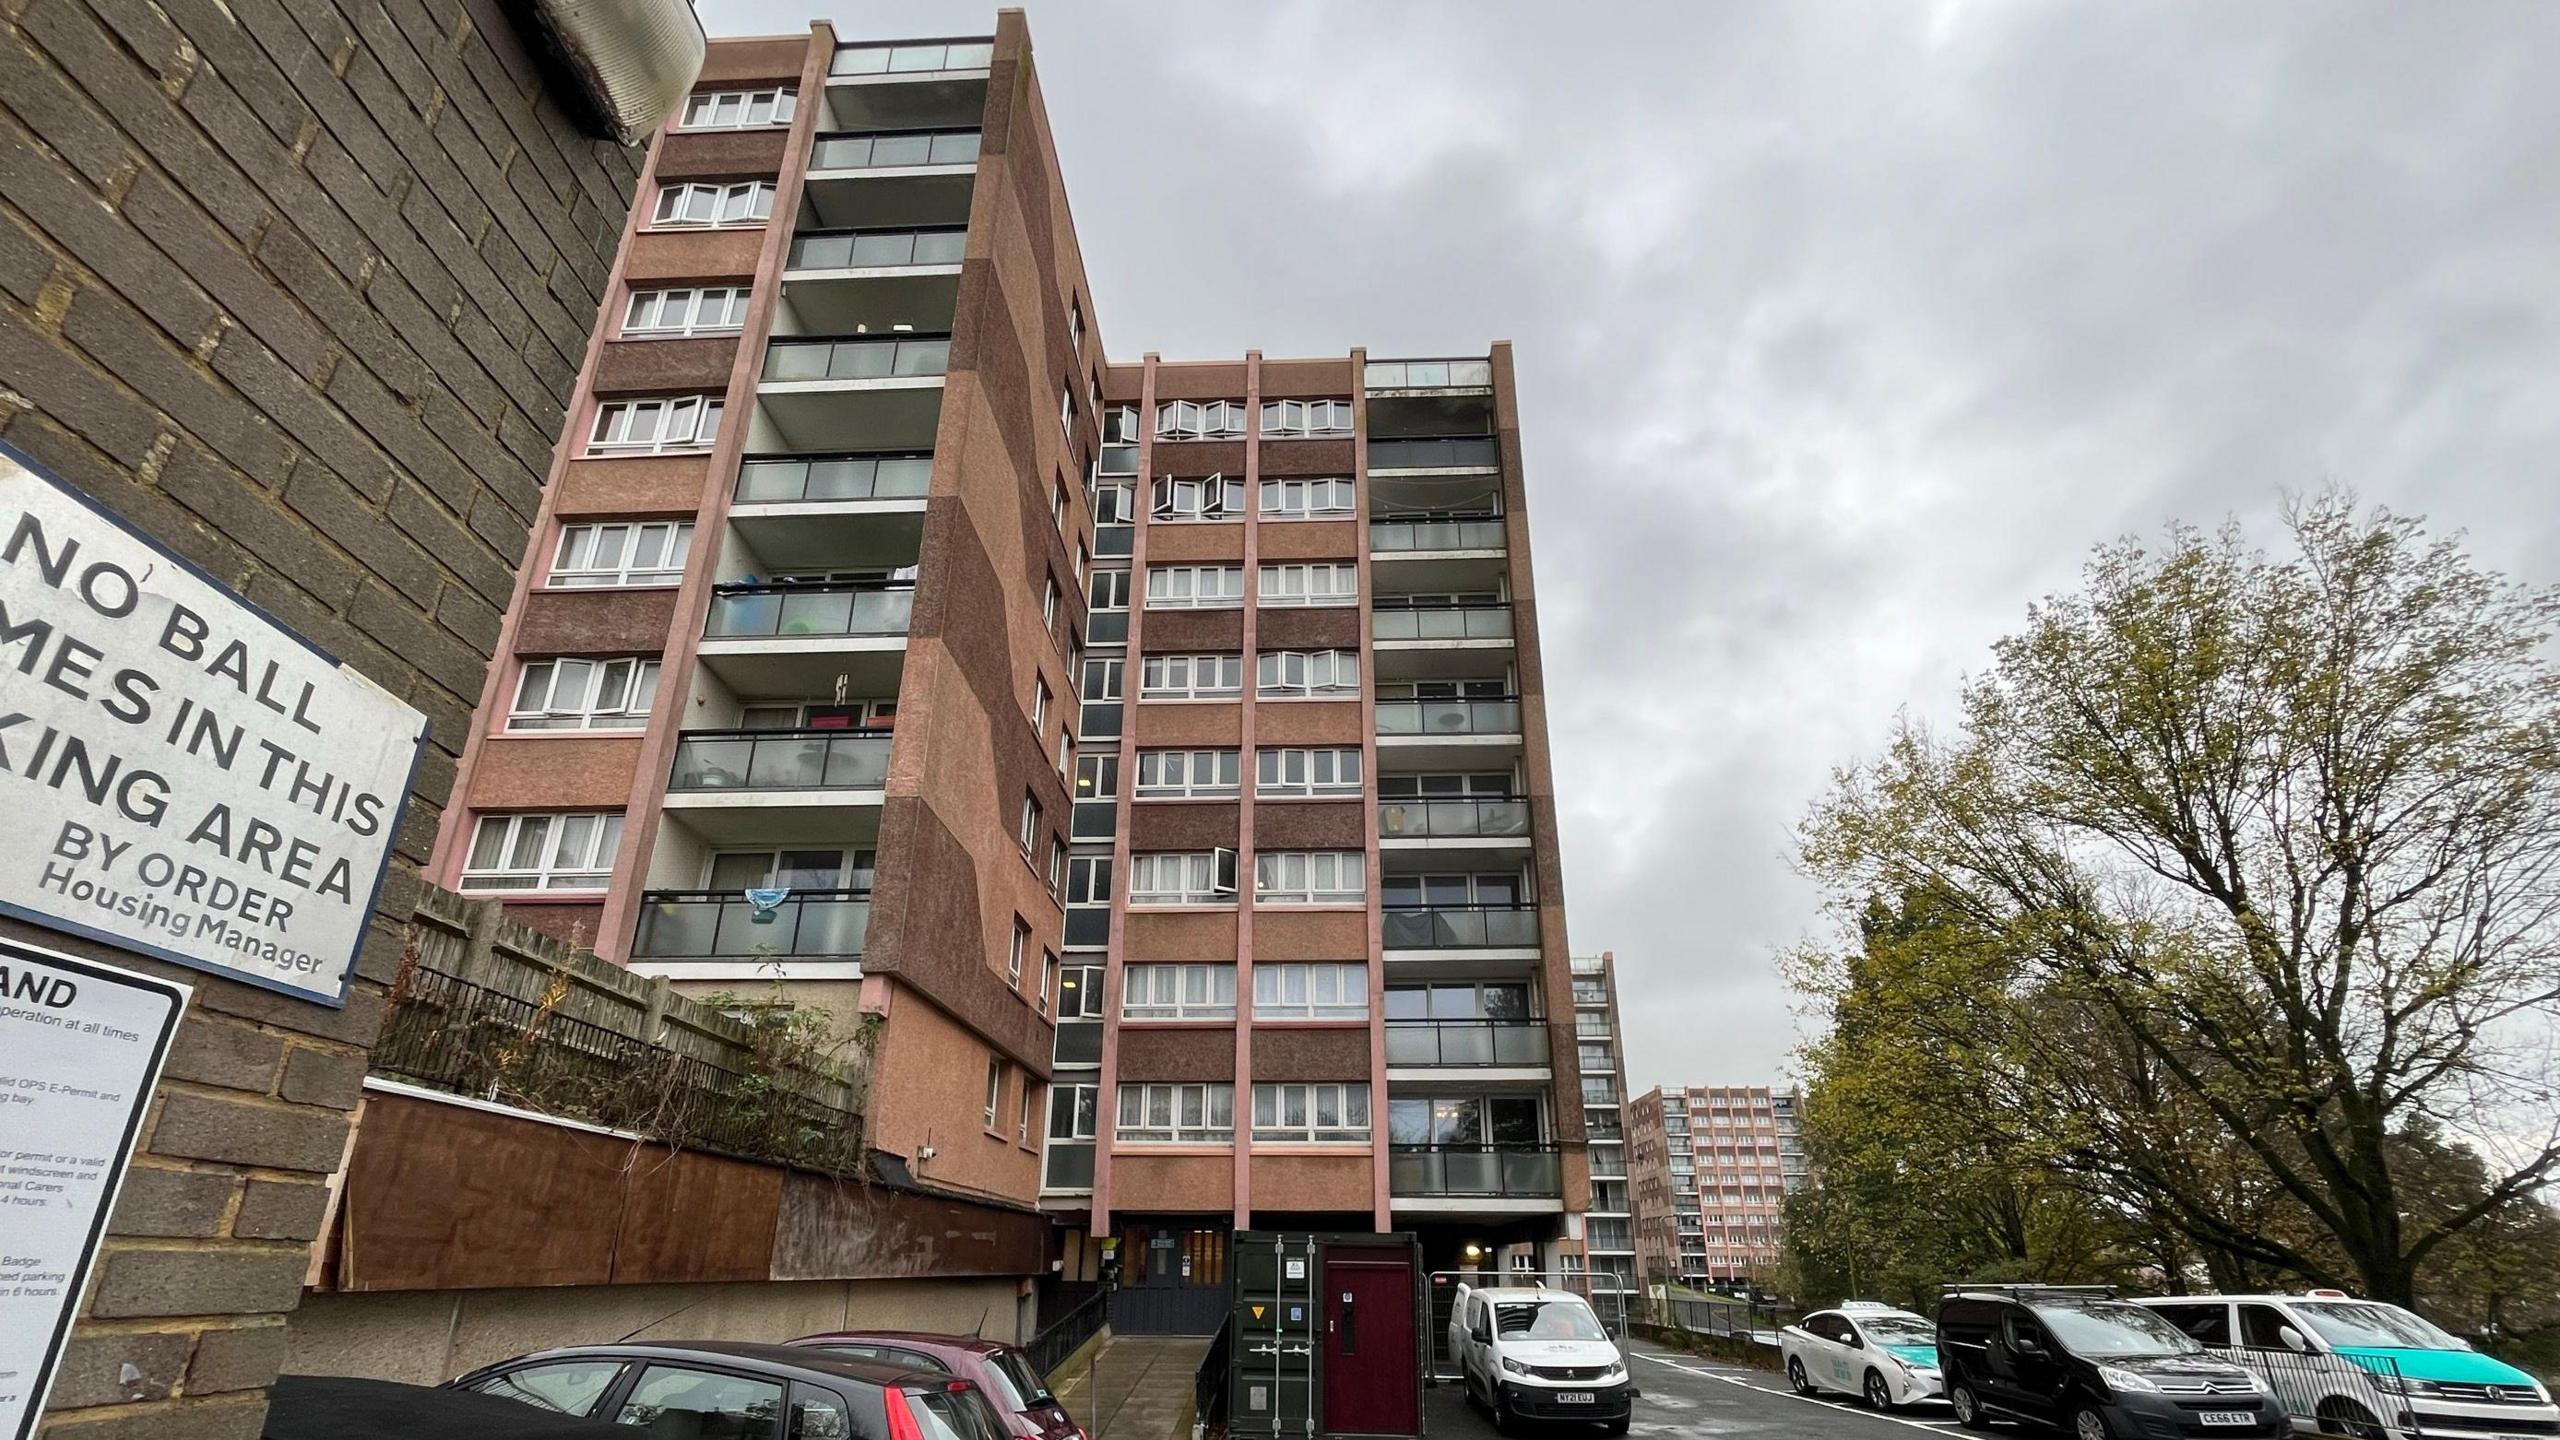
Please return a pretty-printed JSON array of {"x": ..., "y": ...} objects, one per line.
[
  {"x": 721, "y": 1390},
  {"x": 2086, "y": 1363}
]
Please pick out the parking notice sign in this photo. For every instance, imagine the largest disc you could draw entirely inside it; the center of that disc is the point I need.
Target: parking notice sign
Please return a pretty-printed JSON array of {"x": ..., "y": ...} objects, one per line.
[{"x": 80, "y": 1049}]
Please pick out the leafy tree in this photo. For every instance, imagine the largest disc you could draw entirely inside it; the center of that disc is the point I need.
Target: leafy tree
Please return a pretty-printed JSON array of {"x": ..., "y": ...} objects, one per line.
[{"x": 2269, "y": 853}]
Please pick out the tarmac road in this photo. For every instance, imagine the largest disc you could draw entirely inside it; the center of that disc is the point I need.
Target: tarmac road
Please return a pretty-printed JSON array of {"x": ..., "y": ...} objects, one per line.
[{"x": 1686, "y": 1395}]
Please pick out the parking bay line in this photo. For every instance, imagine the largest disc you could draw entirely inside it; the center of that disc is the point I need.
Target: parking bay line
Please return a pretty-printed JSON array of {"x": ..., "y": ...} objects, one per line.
[{"x": 1934, "y": 1429}]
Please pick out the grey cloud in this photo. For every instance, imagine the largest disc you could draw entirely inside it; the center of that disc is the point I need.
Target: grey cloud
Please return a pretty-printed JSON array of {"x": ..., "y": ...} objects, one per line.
[{"x": 1843, "y": 331}]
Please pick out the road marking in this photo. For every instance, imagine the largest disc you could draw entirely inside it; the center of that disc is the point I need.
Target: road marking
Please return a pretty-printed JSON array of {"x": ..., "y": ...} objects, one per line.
[{"x": 1933, "y": 1429}]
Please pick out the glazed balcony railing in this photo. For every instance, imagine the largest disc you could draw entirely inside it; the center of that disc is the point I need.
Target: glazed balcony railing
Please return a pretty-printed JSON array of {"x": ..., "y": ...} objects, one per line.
[
  {"x": 1440, "y": 622},
  {"x": 912, "y": 58},
  {"x": 791, "y": 479},
  {"x": 1427, "y": 374},
  {"x": 877, "y": 249},
  {"x": 1455, "y": 452},
  {"x": 890, "y": 149},
  {"x": 858, "y": 357},
  {"x": 1461, "y": 927},
  {"x": 1484, "y": 715},
  {"x": 1424, "y": 534},
  {"x": 725, "y": 925},
  {"x": 1526, "y": 1172},
  {"x": 780, "y": 760},
  {"x": 1466, "y": 1042},
  {"x": 785, "y": 610},
  {"x": 1475, "y": 817}
]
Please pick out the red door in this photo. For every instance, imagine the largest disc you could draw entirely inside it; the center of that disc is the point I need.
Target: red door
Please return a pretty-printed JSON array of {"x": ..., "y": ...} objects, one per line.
[{"x": 1370, "y": 1384}]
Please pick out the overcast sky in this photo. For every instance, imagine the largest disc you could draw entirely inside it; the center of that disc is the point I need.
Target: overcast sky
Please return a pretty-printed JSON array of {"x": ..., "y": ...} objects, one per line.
[{"x": 1843, "y": 331}]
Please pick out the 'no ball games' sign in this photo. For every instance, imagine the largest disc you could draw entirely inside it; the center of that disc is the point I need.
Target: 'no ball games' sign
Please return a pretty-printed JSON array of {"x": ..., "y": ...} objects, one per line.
[{"x": 179, "y": 774}]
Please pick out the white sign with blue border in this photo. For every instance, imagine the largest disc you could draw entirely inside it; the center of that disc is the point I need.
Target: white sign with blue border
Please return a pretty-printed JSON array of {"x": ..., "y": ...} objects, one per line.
[{"x": 181, "y": 774}]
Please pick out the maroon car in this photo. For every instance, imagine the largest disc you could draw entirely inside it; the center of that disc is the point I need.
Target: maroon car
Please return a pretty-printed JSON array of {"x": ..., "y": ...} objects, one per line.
[{"x": 1004, "y": 1373}]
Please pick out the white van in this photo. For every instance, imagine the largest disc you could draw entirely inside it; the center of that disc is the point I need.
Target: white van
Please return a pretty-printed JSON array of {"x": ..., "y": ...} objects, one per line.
[{"x": 1534, "y": 1353}]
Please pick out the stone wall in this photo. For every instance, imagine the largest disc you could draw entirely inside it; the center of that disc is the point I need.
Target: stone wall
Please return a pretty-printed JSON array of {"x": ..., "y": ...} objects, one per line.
[{"x": 300, "y": 289}]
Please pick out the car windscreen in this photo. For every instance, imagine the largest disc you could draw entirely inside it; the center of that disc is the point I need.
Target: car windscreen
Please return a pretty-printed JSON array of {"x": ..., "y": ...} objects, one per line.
[
  {"x": 1547, "y": 1320},
  {"x": 2092, "y": 1331},
  {"x": 1898, "y": 1329},
  {"x": 1015, "y": 1373},
  {"x": 2366, "y": 1323}
]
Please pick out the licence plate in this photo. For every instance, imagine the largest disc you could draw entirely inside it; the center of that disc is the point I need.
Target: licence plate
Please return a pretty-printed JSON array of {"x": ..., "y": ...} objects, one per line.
[
  {"x": 2229, "y": 1417},
  {"x": 1576, "y": 1397}
]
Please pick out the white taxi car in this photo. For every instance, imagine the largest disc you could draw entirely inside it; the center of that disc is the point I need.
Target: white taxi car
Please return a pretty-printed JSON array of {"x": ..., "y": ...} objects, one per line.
[{"x": 1887, "y": 1357}]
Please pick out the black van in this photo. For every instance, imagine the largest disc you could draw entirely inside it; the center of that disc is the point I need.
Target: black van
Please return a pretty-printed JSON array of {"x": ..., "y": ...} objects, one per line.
[{"x": 2081, "y": 1361}]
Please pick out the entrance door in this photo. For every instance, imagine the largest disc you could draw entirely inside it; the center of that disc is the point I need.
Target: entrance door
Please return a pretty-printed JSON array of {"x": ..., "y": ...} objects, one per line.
[
  {"x": 1370, "y": 1384},
  {"x": 1173, "y": 1280}
]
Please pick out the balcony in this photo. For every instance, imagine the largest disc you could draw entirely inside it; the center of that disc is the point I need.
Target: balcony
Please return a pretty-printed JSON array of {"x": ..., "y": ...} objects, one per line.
[
  {"x": 749, "y": 760},
  {"x": 1390, "y": 624},
  {"x": 1462, "y": 927},
  {"x": 1487, "y": 1172},
  {"x": 1435, "y": 453},
  {"x": 893, "y": 150},
  {"x": 800, "y": 359},
  {"x": 1478, "y": 733},
  {"x": 1437, "y": 535},
  {"x": 899, "y": 249},
  {"x": 911, "y": 60},
  {"x": 787, "y": 638},
  {"x": 1429, "y": 397},
  {"x": 1436, "y": 828},
  {"x": 1393, "y": 375},
  {"x": 1466, "y": 1044},
  {"x": 839, "y": 280},
  {"x": 850, "y": 394},
  {"x": 705, "y": 933},
  {"x": 816, "y": 512}
]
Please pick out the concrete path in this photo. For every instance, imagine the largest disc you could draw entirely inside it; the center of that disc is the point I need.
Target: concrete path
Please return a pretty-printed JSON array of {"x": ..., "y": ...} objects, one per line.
[{"x": 1137, "y": 1388}]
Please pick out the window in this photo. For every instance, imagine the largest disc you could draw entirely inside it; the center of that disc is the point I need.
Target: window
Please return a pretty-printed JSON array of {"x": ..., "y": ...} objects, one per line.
[
  {"x": 1048, "y": 979},
  {"x": 1074, "y": 1110},
  {"x": 1187, "y": 774},
  {"x": 1089, "y": 880},
  {"x": 584, "y": 695},
  {"x": 1039, "y": 704},
  {"x": 749, "y": 202},
  {"x": 674, "y": 1400},
  {"x": 1067, "y": 409},
  {"x": 1120, "y": 425},
  {"x": 1058, "y": 865},
  {"x": 1311, "y": 1113},
  {"x": 569, "y": 1387},
  {"x": 542, "y": 852},
  {"x": 1049, "y": 602},
  {"x": 1309, "y": 877},
  {"x": 1084, "y": 558},
  {"x": 1335, "y": 584},
  {"x": 1075, "y": 328},
  {"x": 1109, "y": 590},
  {"x": 1168, "y": 1114},
  {"x": 1190, "y": 677},
  {"x": 1495, "y": 783},
  {"x": 1209, "y": 497},
  {"x": 995, "y": 1090},
  {"x": 1103, "y": 678},
  {"x": 1080, "y": 993},
  {"x": 1307, "y": 499},
  {"x": 716, "y": 310},
  {"x": 656, "y": 427},
  {"x": 1097, "y": 778},
  {"x": 1284, "y": 419},
  {"x": 1030, "y": 835},
  {"x": 1022, "y": 1126},
  {"x": 1195, "y": 587},
  {"x": 1334, "y": 771},
  {"x": 1200, "y": 420},
  {"x": 739, "y": 109},
  {"x": 1178, "y": 992},
  {"x": 1288, "y": 674},
  {"x": 1014, "y": 952},
  {"x": 1182, "y": 877},
  {"x": 1310, "y": 991}
]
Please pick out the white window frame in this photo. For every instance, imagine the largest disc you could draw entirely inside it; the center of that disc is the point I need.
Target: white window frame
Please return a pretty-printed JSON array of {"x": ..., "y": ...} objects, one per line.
[
  {"x": 1075, "y": 326},
  {"x": 1321, "y": 583},
  {"x": 1321, "y": 497},
  {"x": 1082, "y": 870},
  {"x": 1176, "y": 498},
  {"x": 995, "y": 1090},
  {"x": 1031, "y": 824},
  {"x": 1114, "y": 502},
  {"x": 1022, "y": 1126},
  {"x": 1039, "y": 704},
  {"x": 1083, "y": 1120},
  {"x": 693, "y": 205},
  {"x": 1098, "y": 587},
  {"x": 1114, "y": 673},
  {"x": 1164, "y": 1114},
  {"x": 1195, "y": 587},
  {"x": 1178, "y": 992},
  {"x": 769, "y": 108},
  {"x": 586, "y": 871},
  {"x": 1017, "y": 952},
  {"x": 1320, "y": 674},
  {"x": 1294, "y": 419},
  {"x": 568, "y": 693},
  {"x": 707, "y": 310},
  {"x": 1200, "y": 420},
  {"x": 667, "y": 543},
  {"x": 1048, "y": 981},
  {"x": 1067, "y": 408},
  {"x": 1191, "y": 677},
  {"x": 1189, "y": 774},
  {"x": 1310, "y": 877},
  {"x": 1183, "y": 877},
  {"x": 1304, "y": 772},
  {"x": 1120, "y": 425},
  {"x": 656, "y": 425},
  {"x": 1310, "y": 1101},
  {"x": 1311, "y": 990}
]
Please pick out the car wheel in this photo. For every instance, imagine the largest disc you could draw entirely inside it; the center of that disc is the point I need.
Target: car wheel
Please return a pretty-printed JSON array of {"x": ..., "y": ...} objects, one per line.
[
  {"x": 2342, "y": 1416},
  {"x": 1504, "y": 1422},
  {"x": 1879, "y": 1394},
  {"x": 1968, "y": 1407},
  {"x": 2088, "y": 1424},
  {"x": 1796, "y": 1377}
]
